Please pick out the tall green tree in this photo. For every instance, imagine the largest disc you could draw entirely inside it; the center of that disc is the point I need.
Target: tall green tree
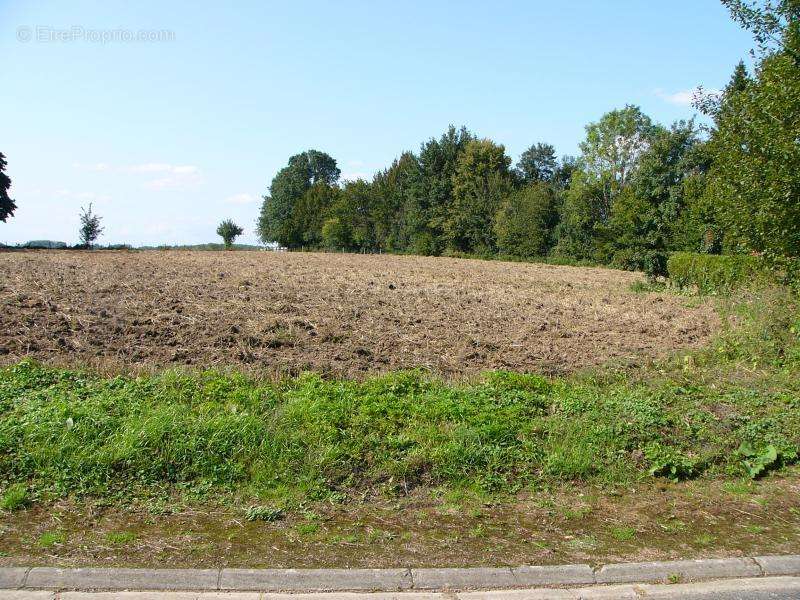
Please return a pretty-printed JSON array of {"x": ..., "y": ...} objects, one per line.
[
  {"x": 580, "y": 218},
  {"x": 563, "y": 173},
  {"x": 276, "y": 222},
  {"x": 393, "y": 191},
  {"x": 524, "y": 224},
  {"x": 432, "y": 193},
  {"x": 661, "y": 176},
  {"x": 755, "y": 176},
  {"x": 480, "y": 184},
  {"x": 537, "y": 163},
  {"x": 7, "y": 205},
  {"x": 309, "y": 212},
  {"x": 356, "y": 207},
  {"x": 612, "y": 148}
]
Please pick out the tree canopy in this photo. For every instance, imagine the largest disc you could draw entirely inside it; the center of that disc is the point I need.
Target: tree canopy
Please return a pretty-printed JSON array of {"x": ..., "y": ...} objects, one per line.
[{"x": 229, "y": 231}]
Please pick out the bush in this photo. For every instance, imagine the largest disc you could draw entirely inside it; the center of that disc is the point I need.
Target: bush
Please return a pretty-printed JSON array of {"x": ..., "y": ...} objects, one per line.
[
  {"x": 716, "y": 274},
  {"x": 652, "y": 262}
]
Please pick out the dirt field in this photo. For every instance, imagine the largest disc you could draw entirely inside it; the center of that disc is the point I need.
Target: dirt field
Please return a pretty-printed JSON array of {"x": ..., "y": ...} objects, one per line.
[{"x": 344, "y": 315}]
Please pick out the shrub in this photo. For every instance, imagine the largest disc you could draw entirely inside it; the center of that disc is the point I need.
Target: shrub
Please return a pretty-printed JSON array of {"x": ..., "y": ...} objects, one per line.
[
  {"x": 715, "y": 274},
  {"x": 652, "y": 262}
]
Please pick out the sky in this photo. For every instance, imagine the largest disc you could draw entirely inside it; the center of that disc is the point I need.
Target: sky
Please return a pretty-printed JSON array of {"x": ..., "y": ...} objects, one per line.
[{"x": 171, "y": 116}]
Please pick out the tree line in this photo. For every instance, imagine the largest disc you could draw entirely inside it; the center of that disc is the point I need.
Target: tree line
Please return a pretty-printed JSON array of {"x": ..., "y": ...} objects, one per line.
[{"x": 637, "y": 191}]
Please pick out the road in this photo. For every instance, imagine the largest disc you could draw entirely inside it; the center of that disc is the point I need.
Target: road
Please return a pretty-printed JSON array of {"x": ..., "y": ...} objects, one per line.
[{"x": 761, "y": 588}]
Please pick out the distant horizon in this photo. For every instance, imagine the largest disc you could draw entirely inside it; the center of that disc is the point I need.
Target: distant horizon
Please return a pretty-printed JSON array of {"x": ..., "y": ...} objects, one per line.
[{"x": 171, "y": 119}]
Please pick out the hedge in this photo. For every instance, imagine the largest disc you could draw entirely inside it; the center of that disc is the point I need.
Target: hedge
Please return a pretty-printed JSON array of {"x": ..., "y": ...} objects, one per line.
[{"x": 716, "y": 274}]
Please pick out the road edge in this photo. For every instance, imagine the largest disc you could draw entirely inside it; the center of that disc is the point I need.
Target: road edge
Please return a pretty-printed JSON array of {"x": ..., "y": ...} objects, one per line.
[{"x": 395, "y": 580}]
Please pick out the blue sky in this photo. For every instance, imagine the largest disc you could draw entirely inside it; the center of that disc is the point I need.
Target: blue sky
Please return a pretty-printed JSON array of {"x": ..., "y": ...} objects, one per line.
[{"x": 167, "y": 137}]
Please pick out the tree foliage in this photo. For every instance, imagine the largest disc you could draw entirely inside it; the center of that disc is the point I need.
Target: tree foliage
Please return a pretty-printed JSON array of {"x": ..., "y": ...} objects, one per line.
[
  {"x": 480, "y": 183},
  {"x": 525, "y": 222},
  {"x": 612, "y": 149},
  {"x": 537, "y": 163},
  {"x": 90, "y": 227},
  {"x": 229, "y": 231},
  {"x": 755, "y": 175},
  {"x": 7, "y": 205},
  {"x": 279, "y": 220}
]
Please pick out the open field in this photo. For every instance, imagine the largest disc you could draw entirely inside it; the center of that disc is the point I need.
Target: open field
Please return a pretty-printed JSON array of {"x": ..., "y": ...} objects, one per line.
[{"x": 341, "y": 315}]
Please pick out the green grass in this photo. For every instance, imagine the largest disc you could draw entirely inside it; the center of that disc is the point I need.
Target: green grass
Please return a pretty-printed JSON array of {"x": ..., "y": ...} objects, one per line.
[
  {"x": 217, "y": 435},
  {"x": 15, "y": 497},
  {"x": 264, "y": 513},
  {"x": 120, "y": 538},
  {"x": 623, "y": 534},
  {"x": 307, "y": 528},
  {"x": 51, "y": 538}
]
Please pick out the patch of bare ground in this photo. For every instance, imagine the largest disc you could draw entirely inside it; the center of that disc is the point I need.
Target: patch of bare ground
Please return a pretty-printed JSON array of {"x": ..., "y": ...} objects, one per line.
[
  {"x": 585, "y": 524},
  {"x": 340, "y": 314}
]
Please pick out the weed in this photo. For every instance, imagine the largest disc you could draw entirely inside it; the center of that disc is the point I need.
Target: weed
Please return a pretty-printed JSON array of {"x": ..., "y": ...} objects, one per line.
[
  {"x": 738, "y": 488},
  {"x": 479, "y": 531},
  {"x": 307, "y": 528},
  {"x": 755, "y": 529},
  {"x": 51, "y": 538},
  {"x": 264, "y": 513},
  {"x": 673, "y": 526},
  {"x": 120, "y": 538},
  {"x": 15, "y": 497},
  {"x": 576, "y": 514},
  {"x": 646, "y": 287},
  {"x": 704, "y": 540},
  {"x": 623, "y": 534},
  {"x": 759, "y": 462}
]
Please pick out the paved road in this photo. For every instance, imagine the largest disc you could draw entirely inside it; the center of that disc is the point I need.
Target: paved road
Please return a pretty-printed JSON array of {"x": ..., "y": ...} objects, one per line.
[{"x": 762, "y": 588}]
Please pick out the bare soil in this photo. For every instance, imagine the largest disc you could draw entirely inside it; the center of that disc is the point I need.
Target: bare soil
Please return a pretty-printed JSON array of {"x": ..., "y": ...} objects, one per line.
[{"x": 339, "y": 314}]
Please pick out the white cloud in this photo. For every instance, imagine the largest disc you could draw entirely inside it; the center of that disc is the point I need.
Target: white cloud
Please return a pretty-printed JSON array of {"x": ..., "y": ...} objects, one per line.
[
  {"x": 92, "y": 167},
  {"x": 241, "y": 199},
  {"x": 355, "y": 163},
  {"x": 174, "y": 176},
  {"x": 685, "y": 97}
]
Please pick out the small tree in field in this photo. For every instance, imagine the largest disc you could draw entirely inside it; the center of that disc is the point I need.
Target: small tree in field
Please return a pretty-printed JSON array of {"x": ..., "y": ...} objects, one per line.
[
  {"x": 229, "y": 231},
  {"x": 90, "y": 227}
]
